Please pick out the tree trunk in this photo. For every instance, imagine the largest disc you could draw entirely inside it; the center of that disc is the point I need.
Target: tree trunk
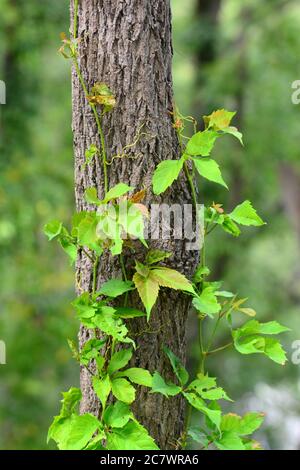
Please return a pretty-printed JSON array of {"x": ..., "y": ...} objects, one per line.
[{"x": 127, "y": 44}]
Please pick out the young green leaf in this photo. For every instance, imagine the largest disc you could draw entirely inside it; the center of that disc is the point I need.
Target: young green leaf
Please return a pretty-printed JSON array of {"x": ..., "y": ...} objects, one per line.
[
  {"x": 70, "y": 400},
  {"x": 210, "y": 170},
  {"x": 122, "y": 390},
  {"x": 84, "y": 306},
  {"x": 233, "y": 131},
  {"x": 110, "y": 324},
  {"x": 53, "y": 229},
  {"x": 219, "y": 120},
  {"x": 117, "y": 191},
  {"x": 148, "y": 289},
  {"x": 200, "y": 272},
  {"x": 115, "y": 287},
  {"x": 119, "y": 360},
  {"x": 91, "y": 350},
  {"x": 70, "y": 248},
  {"x": 167, "y": 277},
  {"x": 165, "y": 174},
  {"x": 180, "y": 371},
  {"x": 201, "y": 143},
  {"x": 90, "y": 153},
  {"x": 245, "y": 214},
  {"x": 207, "y": 302},
  {"x": 87, "y": 232}
]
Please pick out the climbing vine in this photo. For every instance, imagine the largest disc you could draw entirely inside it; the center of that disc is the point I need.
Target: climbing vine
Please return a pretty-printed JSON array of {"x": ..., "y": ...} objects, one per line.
[{"x": 115, "y": 220}]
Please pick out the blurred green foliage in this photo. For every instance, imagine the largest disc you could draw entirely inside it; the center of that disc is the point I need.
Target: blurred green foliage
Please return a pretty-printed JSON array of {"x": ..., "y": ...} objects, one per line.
[
  {"x": 35, "y": 183},
  {"x": 255, "y": 61}
]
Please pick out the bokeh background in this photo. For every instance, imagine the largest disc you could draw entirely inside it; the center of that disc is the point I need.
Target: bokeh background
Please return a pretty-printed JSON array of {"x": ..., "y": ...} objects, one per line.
[{"x": 243, "y": 56}]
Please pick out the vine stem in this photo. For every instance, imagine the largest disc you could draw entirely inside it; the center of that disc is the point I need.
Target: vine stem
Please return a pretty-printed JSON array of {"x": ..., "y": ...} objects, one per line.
[
  {"x": 95, "y": 272},
  {"x": 213, "y": 351},
  {"x": 123, "y": 268},
  {"x": 191, "y": 184},
  {"x": 99, "y": 126}
]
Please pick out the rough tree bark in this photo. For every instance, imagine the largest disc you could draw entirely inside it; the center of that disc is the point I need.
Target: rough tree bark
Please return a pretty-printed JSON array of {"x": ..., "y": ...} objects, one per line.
[{"x": 127, "y": 44}]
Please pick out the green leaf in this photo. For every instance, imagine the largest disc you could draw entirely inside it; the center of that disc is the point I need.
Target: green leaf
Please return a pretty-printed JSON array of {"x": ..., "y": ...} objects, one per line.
[
  {"x": 70, "y": 248},
  {"x": 215, "y": 394},
  {"x": 229, "y": 441},
  {"x": 245, "y": 214},
  {"x": 119, "y": 360},
  {"x": 243, "y": 426},
  {"x": 200, "y": 272},
  {"x": 248, "y": 340},
  {"x": 148, "y": 289},
  {"x": 84, "y": 307},
  {"x": 154, "y": 256},
  {"x": 117, "y": 415},
  {"x": 90, "y": 153},
  {"x": 77, "y": 432},
  {"x": 91, "y": 196},
  {"x": 207, "y": 302},
  {"x": 206, "y": 387},
  {"x": 203, "y": 382},
  {"x": 250, "y": 423},
  {"x": 138, "y": 376},
  {"x": 53, "y": 229},
  {"x": 166, "y": 389},
  {"x": 70, "y": 400},
  {"x": 167, "y": 277},
  {"x": 210, "y": 170},
  {"x": 202, "y": 143},
  {"x": 165, "y": 174},
  {"x": 87, "y": 232},
  {"x": 113, "y": 326},
  {"x": 129, "y": 312},
  {"x": 122, "y": 390},
  {"x": 117, "y": 191},
  {"x": 219, "y": 120},
  {"x": 91, "y": 350},
  {"x": 180, "y": 371},
  {"x": 200, "y": 405},
  {"x": 233, "y": 131},
  {"x": 275, "y": 351},
  {"x": 115, "y": 287},
  {"x": 133, "y": 436},
  {"x": 229, "y": 226},
  {"x": 269, "y": 328},
  {"x": 102, "y": 389},
  {"x": 224, "y": 293}
]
